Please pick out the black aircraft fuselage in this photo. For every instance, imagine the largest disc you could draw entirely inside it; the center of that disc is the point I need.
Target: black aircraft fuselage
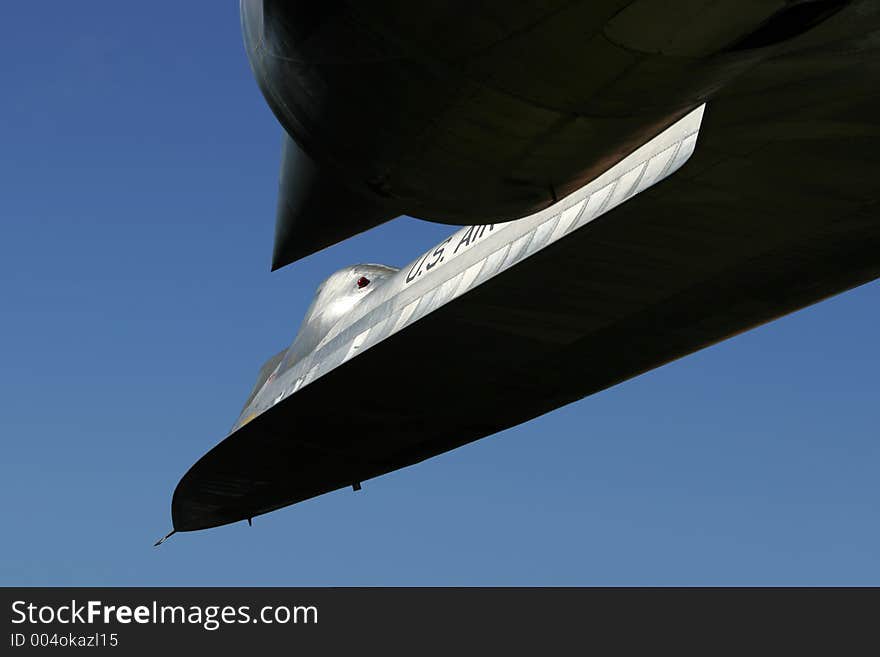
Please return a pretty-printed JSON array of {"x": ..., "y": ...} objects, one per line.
[{"x": 459, "y": 111}]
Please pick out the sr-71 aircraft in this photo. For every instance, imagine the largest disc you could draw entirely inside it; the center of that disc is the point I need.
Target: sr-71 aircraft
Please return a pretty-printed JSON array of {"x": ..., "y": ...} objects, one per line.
[{"x": 634, "y": 180}]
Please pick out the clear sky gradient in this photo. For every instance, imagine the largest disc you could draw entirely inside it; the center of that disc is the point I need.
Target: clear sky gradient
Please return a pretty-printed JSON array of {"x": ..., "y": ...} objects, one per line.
[{"x": 138, "y": 173}]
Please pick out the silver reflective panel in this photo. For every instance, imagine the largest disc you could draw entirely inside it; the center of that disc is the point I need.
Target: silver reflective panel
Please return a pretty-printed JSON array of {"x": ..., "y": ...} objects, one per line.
[{"x": 345, "y": 318}]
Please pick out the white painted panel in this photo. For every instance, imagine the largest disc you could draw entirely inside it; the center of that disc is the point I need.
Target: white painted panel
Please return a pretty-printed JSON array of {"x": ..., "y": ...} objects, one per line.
[
  {"x": 447, "y": 291},
  {"x": 687, "y": 148},
  {"x": 311, "y": 375},
  {"x": 542, "y": 233},
  {"x": 656, "y": 166},
  {"x": 597, "y": 201},
  {"x": 355, "y": 345},
  {"x": 625, "y": 186},
  {"x": 405, "y": 314},
  {"x": 468, "y": 278},
  {"x": 493, "y": 263},
  {"x": 567, "y": 220},
  {"x": 517, "y": 250}
]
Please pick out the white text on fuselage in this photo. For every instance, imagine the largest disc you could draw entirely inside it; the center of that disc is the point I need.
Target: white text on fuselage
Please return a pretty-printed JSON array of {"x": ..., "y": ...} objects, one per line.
[{"x": 462, "y": 242}]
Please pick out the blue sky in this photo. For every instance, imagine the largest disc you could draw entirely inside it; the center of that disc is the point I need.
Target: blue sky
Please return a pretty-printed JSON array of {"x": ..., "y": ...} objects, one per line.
[{"x": 139, "y": 167}]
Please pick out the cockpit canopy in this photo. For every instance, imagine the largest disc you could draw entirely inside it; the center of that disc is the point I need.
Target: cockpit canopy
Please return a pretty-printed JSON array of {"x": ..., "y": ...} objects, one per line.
[{"x": 334, "y": 299}]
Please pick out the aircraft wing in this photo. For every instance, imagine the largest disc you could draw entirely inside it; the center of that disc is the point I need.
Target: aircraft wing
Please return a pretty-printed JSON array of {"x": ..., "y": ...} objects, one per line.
[{"x": 775, "y": 210}]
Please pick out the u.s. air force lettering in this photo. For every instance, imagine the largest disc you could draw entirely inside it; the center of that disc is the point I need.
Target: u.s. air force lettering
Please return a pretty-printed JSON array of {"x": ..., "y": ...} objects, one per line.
[{"x": 462, "y": 240}]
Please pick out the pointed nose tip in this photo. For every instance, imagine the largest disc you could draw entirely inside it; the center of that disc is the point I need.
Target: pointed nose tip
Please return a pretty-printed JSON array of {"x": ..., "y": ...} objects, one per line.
[{"x": 316, "y": 210}]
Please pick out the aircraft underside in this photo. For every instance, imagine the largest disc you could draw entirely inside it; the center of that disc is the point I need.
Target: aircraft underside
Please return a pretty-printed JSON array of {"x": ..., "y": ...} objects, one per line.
[{"x": 519, "y": 116}]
